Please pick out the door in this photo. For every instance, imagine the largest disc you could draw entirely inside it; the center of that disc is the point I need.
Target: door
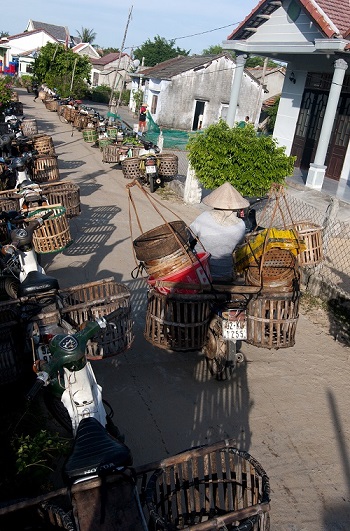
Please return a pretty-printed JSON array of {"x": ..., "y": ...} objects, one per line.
[
  {"x": 308, "y": 127},
  {"x": 339, "y": 140},
  {"x": 198, "y": 115}
]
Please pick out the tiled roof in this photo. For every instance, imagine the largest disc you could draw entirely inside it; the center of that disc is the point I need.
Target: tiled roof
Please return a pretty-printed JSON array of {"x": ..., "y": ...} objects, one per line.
[
  {"x": 106, "y": 59},
  {"x": 26, "y": 33},
  {"x": 332, "y": 17},
  {"x": 59, "y": 32},
  {"x": 178, "y": 65}
]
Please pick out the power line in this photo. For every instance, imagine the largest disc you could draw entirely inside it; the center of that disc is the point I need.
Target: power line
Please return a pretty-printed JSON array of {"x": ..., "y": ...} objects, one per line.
[{"x": 203, "y": 32}]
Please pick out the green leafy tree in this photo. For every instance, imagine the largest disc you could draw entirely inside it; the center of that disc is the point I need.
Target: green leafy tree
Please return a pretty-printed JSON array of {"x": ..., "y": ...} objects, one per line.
[
  {"x": 86, "y": 35},
  {"x": 56, "y": 65},
  {"x": 272, "y": 114},
  {"x": 106, "y": 51},
  {"x": 215, "y": 49},
  {"x": 158, "y": 51},
  {"x": 250, "y": 162},
  {"x": 4, "y": 34},
  {"x": 5, "y": 93}
]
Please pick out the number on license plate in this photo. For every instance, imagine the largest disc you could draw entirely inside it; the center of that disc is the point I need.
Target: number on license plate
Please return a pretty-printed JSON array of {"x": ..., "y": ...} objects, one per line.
[
  {"x": 43, "y": 352},
  {"x": 234, "y": 325},
  {"x": 150, "y": 169}
]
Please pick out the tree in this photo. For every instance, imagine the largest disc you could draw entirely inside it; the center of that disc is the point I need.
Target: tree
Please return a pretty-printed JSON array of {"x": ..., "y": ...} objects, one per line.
[
  {"x": 55, "y": 66},
  {"x": 250, "y": 162},
  {"x": 215, "y": 49},
  {"x": 4, "y": 34},
  {"x": 86, "y": 35},
  {"x": 106, "y": 51},
  {"x": 158, "y": 51}
]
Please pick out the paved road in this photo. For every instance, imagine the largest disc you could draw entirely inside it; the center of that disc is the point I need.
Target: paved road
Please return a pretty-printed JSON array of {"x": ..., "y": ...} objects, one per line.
[{"x": 289, "y": 408}]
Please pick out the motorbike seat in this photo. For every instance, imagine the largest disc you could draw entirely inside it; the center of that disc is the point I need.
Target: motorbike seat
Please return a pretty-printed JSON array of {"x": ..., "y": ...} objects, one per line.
[
  {"x": 94, "y": 450},
  {"x": 36, "y": 282}
]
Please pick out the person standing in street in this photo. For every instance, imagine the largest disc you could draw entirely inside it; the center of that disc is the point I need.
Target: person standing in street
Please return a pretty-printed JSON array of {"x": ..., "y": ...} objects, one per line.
[
  {"x": 36, "y": 92},
  {"x": 142, "y": 118}
]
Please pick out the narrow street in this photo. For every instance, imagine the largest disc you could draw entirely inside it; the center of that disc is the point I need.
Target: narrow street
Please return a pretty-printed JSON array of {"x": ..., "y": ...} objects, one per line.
[{"x": 288, "y": 408}]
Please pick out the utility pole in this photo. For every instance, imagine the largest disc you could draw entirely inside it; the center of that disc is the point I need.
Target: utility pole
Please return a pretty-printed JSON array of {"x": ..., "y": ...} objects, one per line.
[{"x": 120, "y": 57}]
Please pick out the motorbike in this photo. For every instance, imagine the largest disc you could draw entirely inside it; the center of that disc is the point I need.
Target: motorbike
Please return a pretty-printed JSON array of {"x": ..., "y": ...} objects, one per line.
[
  {"x": 248, "y": 214},
  {"x": 149, "y": 164}
]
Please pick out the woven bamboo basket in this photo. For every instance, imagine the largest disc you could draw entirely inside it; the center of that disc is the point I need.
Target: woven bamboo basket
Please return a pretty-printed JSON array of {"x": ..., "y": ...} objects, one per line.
[
  {"x": 210, "y": 487},
  {"x": 272, "y": 320},
  {"x": 69, "y": 113},
  {"x": 131, "y": 168},
  {"x": 311, "y": 234},
  {"x": 43, "y": 144},
  {"x": 54, "y": 234},
  {"x": 45, "y": 169},
  {"x": 29, "y": 127},
  {"x": 9, "y": 200},
  {"x": 161, "y": 241},
  {"x": 66, "y": 194},
  {"x": 277, "y": 268},
  {"x": 177, "y": 322},
  {"x": 51, "y": 105},
  {"x": 112, "y": 132},
  {"x": 103, "y": 298},
  {"x": 110, "y": 153},
  {"x": 43, "y": 95},
  {"x": 168, "y": 164},
  {"x": 14, "y": 96},
  {"x": 103, "y": 142},
  {"x": 170, "y": 263},
  {"x": 90, "y": 135}
]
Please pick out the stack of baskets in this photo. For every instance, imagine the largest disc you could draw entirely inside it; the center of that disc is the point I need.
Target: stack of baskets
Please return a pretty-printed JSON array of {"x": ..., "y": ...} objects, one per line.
[
  {"x": 103, "y": 298},
  {"x": 176, "y": 318},
  {"x": 43, "y": 144}
]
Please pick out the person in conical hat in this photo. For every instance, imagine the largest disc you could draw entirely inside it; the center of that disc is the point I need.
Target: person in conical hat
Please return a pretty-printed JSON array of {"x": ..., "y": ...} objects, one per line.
[{"x": 219, "y": 230}]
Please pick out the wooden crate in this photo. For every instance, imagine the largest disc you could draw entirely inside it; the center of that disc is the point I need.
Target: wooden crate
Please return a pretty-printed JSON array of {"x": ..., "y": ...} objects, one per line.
[
  {"x": 210, "y": 487},
  {"x": 54, "y": 234},
  {"x": 45, "y": 169},
  {"x": 66, "y": 194},
  {"x": 177, "y": 321},
  {"x": 103, "y": 298},
  {"x": 272, "y": 319}
]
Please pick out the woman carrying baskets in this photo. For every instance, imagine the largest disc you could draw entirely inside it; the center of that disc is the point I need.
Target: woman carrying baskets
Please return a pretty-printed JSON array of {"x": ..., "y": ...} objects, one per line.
[{"x": 219, "y": 230}]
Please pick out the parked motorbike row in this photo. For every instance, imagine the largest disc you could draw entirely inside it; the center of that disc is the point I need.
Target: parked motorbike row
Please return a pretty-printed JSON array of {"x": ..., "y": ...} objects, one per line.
[{"x": 139, "y": 157}]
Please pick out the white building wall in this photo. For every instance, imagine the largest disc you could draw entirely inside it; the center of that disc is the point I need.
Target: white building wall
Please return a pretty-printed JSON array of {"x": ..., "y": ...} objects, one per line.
[
  {"x": 288, "y": 110},
  {"x": 28, "y": 42}
]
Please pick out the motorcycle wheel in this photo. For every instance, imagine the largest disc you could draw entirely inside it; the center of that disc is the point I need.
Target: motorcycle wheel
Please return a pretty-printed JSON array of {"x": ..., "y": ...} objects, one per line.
[
  {"x": 58, "y": 411},
  {"x": 216, "y": 352},
  {"x": 152, "y": 184}
]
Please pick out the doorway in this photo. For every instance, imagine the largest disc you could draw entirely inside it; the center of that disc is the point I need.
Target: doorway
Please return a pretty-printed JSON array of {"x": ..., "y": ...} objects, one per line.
[{"x": 198, "y": 115}]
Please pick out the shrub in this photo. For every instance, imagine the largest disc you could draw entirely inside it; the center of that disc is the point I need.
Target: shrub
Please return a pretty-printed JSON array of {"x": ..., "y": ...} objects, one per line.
[{"x": 250, "y": 162}]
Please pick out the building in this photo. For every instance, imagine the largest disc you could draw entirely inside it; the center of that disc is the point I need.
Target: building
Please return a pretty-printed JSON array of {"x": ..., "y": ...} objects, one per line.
[
  {"x": 111, "y": 70},
  {"x": 191, "y": 92},
  {"x": 313, "y": 38}
]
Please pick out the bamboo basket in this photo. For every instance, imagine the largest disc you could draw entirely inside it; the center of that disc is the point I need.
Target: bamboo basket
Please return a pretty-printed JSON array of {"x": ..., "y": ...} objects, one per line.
[
  {"x": 51, "y": 105},
  {"x": 69, "y": 113},
  {"x": 112, "y": 132},
  {"x": 210, "y": 487},
  {"x": 170, "y": 263},
  {"x": 43, "y": 144},
  {"x": 45, "y": 169},
  {"x": 66, "y": 194},
  {"x": 277, "y": 268},
  {"x": 110, "y": 153},
  {"x": 177, "y": 322},
  {"x": 29, "y": 127},
  {"x": 90, "y": 135},
  {"x": 103, "y": 142},
  {"x": 43, "y": 95},
  {"x": 103, "y": 298},
  {"x": 14, "y": 96},
  {"x": 272, "y": 320},
  {"x": 168, "y": 165},
  {"x": 131, "y": 168},
  {"x": 161, "y": 241},
  {"x": 54, "y": 234},
  {"x": 311, "y": 234}
]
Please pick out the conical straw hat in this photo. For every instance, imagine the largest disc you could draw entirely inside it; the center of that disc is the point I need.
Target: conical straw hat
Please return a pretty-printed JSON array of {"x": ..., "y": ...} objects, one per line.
[{"x": 226, "y": 197}]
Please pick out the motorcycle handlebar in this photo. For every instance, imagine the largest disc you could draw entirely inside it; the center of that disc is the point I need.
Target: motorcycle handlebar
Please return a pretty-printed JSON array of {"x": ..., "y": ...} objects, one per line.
[{"x": 38, "y": 384}]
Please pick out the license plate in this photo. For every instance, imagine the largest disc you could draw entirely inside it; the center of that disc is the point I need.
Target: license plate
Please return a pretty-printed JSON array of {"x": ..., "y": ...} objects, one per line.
[
  {"x": 151, "y": 169},
  {"x": 43, "y": 352},
  {"x": 234, "y": 325}
]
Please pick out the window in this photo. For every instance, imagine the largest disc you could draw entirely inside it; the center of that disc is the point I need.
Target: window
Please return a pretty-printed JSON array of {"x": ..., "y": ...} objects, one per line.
[
  {"x": 223, "y": 111},
  {"x": 154, "y": 104},
  {"x": 95, "y": 79}
]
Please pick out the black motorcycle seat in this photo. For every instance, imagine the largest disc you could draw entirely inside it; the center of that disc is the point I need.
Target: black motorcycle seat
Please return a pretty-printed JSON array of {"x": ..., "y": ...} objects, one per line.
[
  {"x": 36, "y": 282},
  {"x": 94, "y": 450}
]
